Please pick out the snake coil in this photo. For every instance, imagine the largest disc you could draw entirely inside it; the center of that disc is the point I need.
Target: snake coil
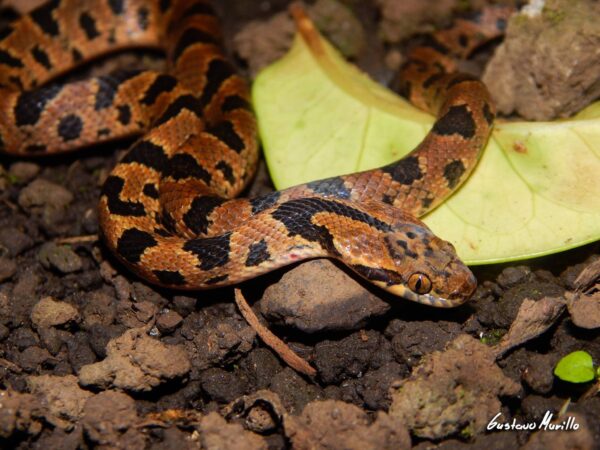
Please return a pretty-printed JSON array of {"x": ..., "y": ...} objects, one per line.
[{"x": 168, "y": 209}]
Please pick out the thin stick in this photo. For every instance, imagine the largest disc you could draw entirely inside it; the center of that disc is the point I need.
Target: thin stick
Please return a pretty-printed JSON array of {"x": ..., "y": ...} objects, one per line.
[
  {"x": 281, "y": 348},
  {"x": 77, "y": 239}
]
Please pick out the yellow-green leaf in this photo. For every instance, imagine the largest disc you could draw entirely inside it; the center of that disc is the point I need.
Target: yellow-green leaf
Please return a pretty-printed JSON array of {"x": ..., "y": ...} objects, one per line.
[
  {"x": 576, "y": 367},
  {"x": 536, "y": 190}
]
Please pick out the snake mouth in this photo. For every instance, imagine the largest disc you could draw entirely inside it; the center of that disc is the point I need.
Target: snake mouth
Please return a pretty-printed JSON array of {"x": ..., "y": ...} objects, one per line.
[{"x": 453, "y": 300}]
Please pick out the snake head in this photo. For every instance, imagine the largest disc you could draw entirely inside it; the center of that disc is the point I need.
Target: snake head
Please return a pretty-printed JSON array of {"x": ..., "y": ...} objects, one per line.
[{"x": 421, "y": 267}]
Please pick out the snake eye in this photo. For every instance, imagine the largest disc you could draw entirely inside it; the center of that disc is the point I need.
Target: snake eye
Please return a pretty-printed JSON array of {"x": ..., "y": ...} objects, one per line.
[{"x": 419, "y": 283}]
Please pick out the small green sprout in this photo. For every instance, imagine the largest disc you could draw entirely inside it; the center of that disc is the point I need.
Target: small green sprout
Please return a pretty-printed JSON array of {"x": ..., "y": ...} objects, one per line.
[{"x": 577, "y": 367}]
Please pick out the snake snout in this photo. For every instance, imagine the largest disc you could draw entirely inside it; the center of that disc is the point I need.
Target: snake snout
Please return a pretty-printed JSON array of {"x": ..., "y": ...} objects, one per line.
[{"x": 465, "y": 288}]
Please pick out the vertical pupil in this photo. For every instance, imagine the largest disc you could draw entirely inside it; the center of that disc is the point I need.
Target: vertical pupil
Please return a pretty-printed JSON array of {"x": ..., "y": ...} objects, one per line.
[{"x": 418, "y": 284}]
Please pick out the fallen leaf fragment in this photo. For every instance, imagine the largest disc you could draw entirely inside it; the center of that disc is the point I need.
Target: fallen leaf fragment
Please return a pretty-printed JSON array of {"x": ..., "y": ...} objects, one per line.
[
  {"x": 534, "y": 317},
  {"x": 589, "y": 278},
  {"x": 584, "y": 303}
]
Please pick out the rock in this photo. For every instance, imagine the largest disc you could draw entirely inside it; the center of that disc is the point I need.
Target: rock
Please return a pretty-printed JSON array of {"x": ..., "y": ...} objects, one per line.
[
  {"x": 184, "y": 305},
  {"x": 137, "y": 363},
  {"x": 261, "y": 366},
  {"x": 89, "y": 221},
  {"x": 213, "y": 340},
  {"x": 79, "y": 351},
  {"x": 46, "y": 201},
  {"x": 22, "y": 337},
  {"x": 4, "y": 332},
  {"x": 216, "y": 433},
  {"x": 585, "y": 310},
  {"x": 335, "y": 425},
  {"x": 260, "y": 43},
  {"x": 548, "y": 64},
  {"x": 144, "y": 293},
  {"x": 8, "y": 267},
  {"x": 101, "y": 335},
  {"x": 24, "y": 296},
  {"x": 220, "y": 385},
  {"x": 51, "y": 313},
  {"x": 512, "y": 276},
  {"x": 502, "y": 313},
  {"x": 580, "y": 439},
  {"x": 340, "y": 25},
  {"x": 59, "y": 257},
  {"x": 261, "y": 411},
  {"x": 452, "y": 390},
  {"x": 135, "y": 315},
  {"x": 53, "y": 338},
  {"x": 15, "y": 241},
  {"x": 535, "y": 407},
  {"x": 23, "y": 171},
  {"x": 399, "y": 20},
  {"x": 61, "y": 439},
  {"x": 317, "y": 296},
  {"x": 374, "y": 387},
  {"x": 110, "y": 419},
  {"x": 32, "y": 358},
  {"x": 172, "y": 438},
  {"x": 99, "y": 309},
  {"x": 294, "y": 391},
  {"x": 412, "y": 340},
  {"x": 168, "y": 321},
  {"x": 19, "y": 413},
  {"x": 352, "y": 356},
  {"x": 61, "y": 398}
]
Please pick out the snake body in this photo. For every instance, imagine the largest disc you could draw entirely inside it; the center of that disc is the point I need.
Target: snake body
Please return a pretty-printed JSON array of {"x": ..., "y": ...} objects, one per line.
[{"x": 168, "y": 209}]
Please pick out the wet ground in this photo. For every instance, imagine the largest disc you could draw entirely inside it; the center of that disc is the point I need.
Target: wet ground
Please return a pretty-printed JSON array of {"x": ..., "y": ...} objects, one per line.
[{"x": 91, "y": 356}]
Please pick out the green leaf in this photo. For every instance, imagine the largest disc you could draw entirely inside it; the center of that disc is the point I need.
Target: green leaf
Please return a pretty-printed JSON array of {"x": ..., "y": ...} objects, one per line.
[
  {"x": 535, "y": 191},
  {"x": 576, "y": 367}
]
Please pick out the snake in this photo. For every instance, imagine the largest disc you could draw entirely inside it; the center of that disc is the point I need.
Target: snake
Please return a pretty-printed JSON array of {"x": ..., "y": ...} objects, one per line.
[{"x": 170, "y": 208}]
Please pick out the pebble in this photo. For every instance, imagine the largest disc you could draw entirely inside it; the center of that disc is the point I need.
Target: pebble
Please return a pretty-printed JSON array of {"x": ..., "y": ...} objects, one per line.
[
  {"x": 42, "y": 192},
  {"x": 23, "y": 171},
  {"x": 32, "y": 358},
  {"x": 539, "y": 372},
  {"x": 136, "y": 362},
  {"x": 109, "y": 420},
  {"x": 4, "y": 332},
  {"x": 15, "y": 241},
  {"x": 48, "y": 204},
  {"x": 221, "y": 385},
  {"x": 512, "y": 276},
  {"x": 62, "y": 398},
  {"x": 184, "y": 305},
  {"x": 295, "y": 392},
  {"x": 8, "y": 267},
  {"x": 59, "y": 257},
  {"x": 99, "y": 308},
  {"x": 317, "y": 296},
  {"x": 53, "y": 339},
  {"x": 585, "y": 310},
  {"x": 351, "y": 356},
  {"x": 50, "y": 313},
  {"x": 168, "y": 322}
]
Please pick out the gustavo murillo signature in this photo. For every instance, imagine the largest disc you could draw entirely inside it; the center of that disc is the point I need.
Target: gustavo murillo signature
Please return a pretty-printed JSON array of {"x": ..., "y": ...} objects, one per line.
[{"x": 569, "y": 424}]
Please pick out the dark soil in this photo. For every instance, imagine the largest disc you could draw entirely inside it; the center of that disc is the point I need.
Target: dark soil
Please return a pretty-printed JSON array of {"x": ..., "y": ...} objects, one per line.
[{"x": 91, "y": 356}]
